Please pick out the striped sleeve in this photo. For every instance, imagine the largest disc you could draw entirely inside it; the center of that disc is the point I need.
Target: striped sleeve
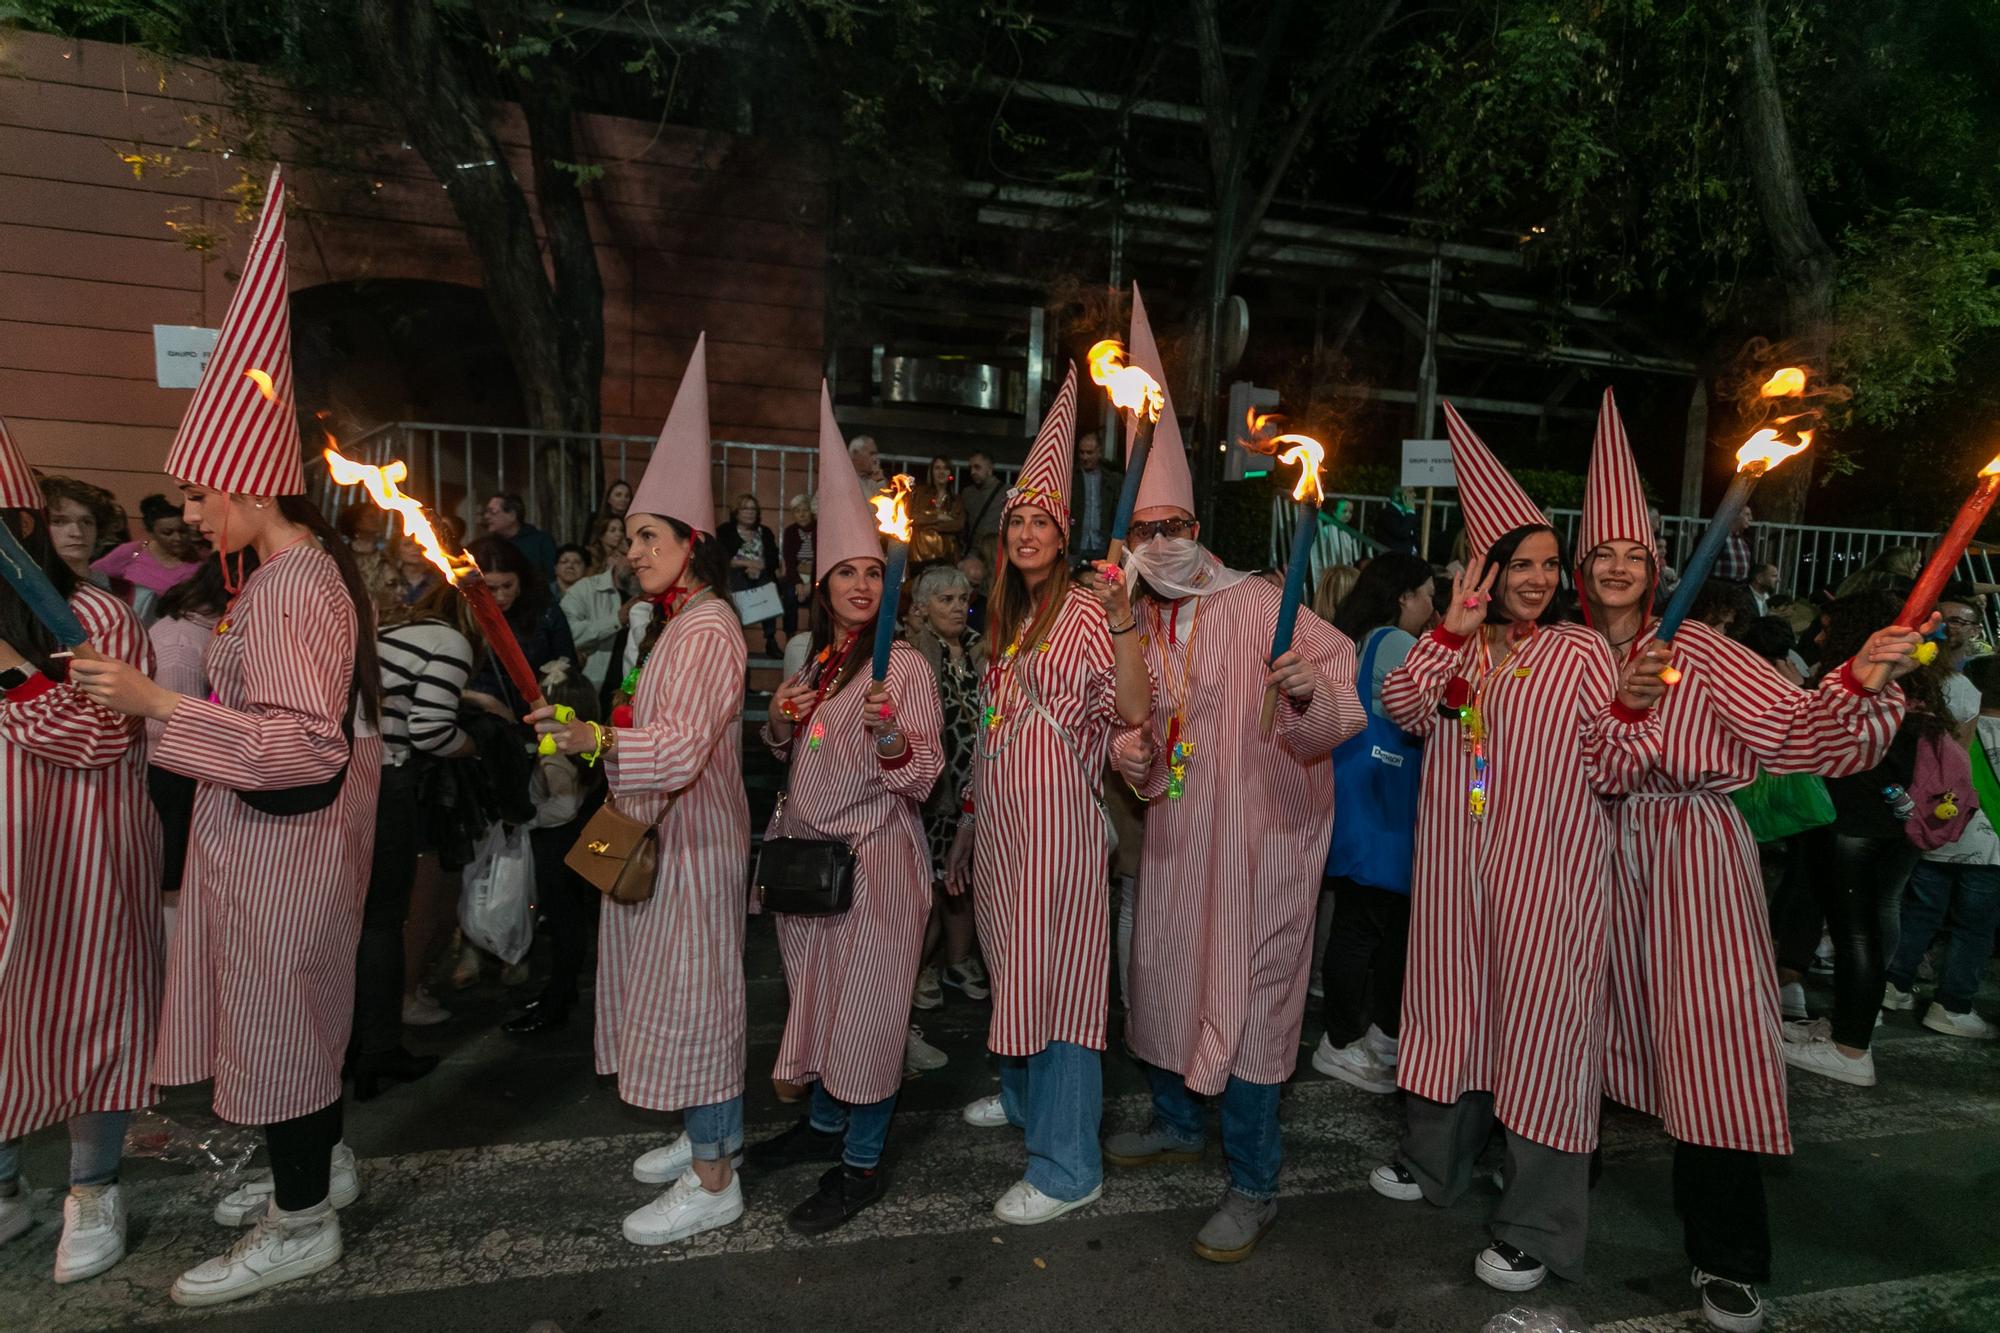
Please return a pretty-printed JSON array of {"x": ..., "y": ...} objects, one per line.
[
  {"x": 703, "y": 699},
  {"x": 445, "y": 666},
  {"x": 58, "y": 724},
  {"x": 1334, "y": 712},
  {"x": 1836, "y": 730},
  {"x": 913, "y": 691},
  {"x": 1411, "y": 693}
]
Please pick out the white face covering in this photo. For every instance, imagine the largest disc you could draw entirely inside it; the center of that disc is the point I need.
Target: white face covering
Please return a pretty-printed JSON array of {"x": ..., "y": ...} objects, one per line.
[{"x": 1176, "y": 567}]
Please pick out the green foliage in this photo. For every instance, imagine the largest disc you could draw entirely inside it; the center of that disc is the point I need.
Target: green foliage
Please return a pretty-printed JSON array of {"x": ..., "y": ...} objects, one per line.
[{"x": 1914, "y": 286}]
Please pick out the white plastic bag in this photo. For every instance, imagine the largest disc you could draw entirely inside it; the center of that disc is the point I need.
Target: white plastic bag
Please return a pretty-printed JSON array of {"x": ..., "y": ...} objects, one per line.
[{"x": 496, "y": 904}]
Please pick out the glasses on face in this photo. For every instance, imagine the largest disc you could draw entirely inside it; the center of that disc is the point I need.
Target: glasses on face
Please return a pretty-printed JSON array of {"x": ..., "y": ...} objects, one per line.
[
  {"x": 1166, "y": 527},
  {"x": 1963, "y": 622}
]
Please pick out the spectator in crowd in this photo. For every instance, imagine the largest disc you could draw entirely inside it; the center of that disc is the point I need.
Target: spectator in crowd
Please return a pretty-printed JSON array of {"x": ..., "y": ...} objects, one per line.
[
  {"x": 867, "y": 464},
  {"x": 79, "y": 514},
  {"x": 1669, "y": 576},
  {"x": 1336, "y": 543},
  {"x": 598, "y": 607},
  {"x": 796, "y": 556},
  {"x": 755, "y": 560},
  {"x": 166, "y": 556},
  {"x": 572, "y": 563},
  {"x": 1334, "y": 585},
  {"x": 1893, "y": 570},
  {"x": 415, "y": 574},
  {"x": 1764, "y": 586},
  {"x": 607, "y": 541},
  {"x": 1724, "y": 606},
  {"x": 534, "y": 617},
  {"x": 1959, "y": 627},
  {"x": 506, "y": 517},
  {"x": 188, "y": 615},
  {"x": 937, "y": 516},
  {"x": 1739, "y": 554},
  {"x": 1956, "y": 889},
  {"x": 617, "y": 497},
  {"x": 1771, "y": 638},
  {"x": 1095, "y": 502},
  {"x": 362, "y": 526},
  {"x": 975, "y": 566},
  {"x": 1397, "y": 524},
  {"x": 983, "y": 496}
]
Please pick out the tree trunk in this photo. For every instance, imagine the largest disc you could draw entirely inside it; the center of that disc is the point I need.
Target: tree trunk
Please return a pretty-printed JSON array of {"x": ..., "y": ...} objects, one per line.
[{"x": 1805, "y": 263}]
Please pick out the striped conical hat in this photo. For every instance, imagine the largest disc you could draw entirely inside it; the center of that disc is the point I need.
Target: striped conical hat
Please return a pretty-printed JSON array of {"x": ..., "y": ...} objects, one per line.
[
  {"x": 846, "y": 525},
  {"x": 679, "y": 480},
  {"x": 1167, "y": 482},
  {"x": 18, "y": 487},
  {"x": 1045, "y": 477},
  {"x": 1614, "y": 502},
  {"x": 1494, "y": 502},
  {"x": 241, "y": 433}
]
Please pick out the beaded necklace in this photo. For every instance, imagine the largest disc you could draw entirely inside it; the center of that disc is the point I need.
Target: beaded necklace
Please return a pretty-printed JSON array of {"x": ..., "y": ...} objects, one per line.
[
  {"x": 826, "y": 668},
  {"x": 1179, "y": 748},
  {"x": 1472, "y": 720},
  {"x": 1000, "y": 678}
]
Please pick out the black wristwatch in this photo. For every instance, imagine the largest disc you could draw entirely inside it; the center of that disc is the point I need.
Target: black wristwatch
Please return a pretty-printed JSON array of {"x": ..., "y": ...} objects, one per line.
[{"x": 13, "y": 678}]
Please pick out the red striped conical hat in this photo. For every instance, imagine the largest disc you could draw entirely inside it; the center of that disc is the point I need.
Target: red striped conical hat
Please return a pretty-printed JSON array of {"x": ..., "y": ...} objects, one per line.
[
  {"x": 846, "y": 525},
  {"x": 679, "y": 480},
  {"x": 1045, "y": 477},
  {"x": 18, "y": 487},
  {"x": 1614, "y": 503},
  {"x": 1167, "y": 482},
  {"x": 241, "y": 433},
  {"x": 1494, "y": 502}
]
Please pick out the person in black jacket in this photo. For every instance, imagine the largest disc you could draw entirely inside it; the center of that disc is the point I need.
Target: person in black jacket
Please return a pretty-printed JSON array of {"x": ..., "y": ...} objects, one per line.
[{"x": 755, "y": 560}]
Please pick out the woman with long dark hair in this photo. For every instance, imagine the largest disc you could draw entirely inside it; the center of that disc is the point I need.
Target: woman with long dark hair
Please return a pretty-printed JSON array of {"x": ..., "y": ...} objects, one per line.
[
  {"x": 1033, "y": 842},
  {"x": 1372, "y": 853},
  {"x": 670, "y": 1001},
  {"x": 869, "y": 756},
  {"x": 79, "y": 875},
  {"x": 1503, "y": 997},
  {"x": 937, "y": 515},
  {"x": 536, "y": 618}
]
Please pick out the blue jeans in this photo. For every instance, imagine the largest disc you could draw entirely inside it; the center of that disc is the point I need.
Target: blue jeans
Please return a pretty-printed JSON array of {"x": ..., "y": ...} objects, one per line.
[
  {"x": 715, "y": 1132},
  {"x": 1249, "y": 1127},
  {"x": 1966, "y": 896},
  {"x": 1057, "y": 1096},
  {"x": 865, "y": 1124},
  {"x": 96, "y": 1143}
]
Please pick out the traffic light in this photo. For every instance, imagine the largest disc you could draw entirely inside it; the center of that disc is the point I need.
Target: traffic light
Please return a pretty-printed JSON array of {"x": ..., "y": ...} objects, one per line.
[{"x": 1240, "y": 462}]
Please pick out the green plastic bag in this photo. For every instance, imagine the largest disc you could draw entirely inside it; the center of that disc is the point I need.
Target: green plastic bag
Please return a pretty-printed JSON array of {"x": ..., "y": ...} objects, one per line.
[{"x": 1781, "y": 805}]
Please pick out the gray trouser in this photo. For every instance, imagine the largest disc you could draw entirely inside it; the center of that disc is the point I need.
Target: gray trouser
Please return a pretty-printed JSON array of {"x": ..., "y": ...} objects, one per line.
[{"x": 1544, "y": 1209}]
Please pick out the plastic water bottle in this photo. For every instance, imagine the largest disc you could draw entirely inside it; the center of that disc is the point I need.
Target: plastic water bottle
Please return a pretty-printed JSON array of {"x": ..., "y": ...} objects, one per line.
[
  {"x": 1520, "y": 1319},
  {"x": 1899, "y": 802}
]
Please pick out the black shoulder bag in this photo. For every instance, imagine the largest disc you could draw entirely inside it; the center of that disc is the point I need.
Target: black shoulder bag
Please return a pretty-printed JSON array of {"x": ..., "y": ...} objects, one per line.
[
  {"x": 803, "y": 876},
  {"x": 314, "y": 796}
]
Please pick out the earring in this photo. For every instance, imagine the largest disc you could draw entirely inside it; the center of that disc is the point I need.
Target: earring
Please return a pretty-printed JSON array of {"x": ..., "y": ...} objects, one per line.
[
  {"x": 257, "y": 504},
  {"x": 654, "y": 551}
]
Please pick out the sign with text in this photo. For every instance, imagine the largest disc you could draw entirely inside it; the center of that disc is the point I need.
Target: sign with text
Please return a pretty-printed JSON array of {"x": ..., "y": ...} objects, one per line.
[
  {"x": 1427, "y": 463},
  {"x": 179, "y": 353}
]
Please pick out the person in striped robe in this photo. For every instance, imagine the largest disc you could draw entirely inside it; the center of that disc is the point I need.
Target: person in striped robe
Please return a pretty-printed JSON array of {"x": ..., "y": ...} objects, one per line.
[
  {"x": 80, "y": 920},
  {"x": 1694, "y": 1033},
  {"x": 869, "y": 755}
]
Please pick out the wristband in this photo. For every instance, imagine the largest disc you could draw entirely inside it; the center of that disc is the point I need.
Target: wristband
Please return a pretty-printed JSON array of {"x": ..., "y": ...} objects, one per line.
[{"x": 1130, "y": 625}]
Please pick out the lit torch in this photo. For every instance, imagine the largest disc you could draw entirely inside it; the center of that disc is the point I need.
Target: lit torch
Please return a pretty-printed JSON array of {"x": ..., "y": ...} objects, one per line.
[
  {"x": 1140, "y": 397},
  {"x": 1307, "y": 496},
  {"x": 461, "y": 570},
  {"x": 892, "y": 516},
  {"x": 1944, "y": 560},
  {"x": 1760, "y": 453}
]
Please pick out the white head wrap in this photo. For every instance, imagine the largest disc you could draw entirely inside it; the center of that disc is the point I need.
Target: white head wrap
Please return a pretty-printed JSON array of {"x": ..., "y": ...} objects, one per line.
[{"x": 1177, "y": 567}]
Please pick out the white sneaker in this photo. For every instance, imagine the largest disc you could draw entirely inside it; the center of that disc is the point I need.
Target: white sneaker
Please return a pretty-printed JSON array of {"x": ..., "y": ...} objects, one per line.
[
  {"x": 247, "y": 1202},
  {"x": 919, "y": 1055},
  {"x": 281, "y": 1247},
  {"x": 421, "y": 1011},
  {"x": 928, "y": 993},
  {"x": 986, "y": 1113},
  {"x": 686, "y": 1209},
  {"x": 15, "y": 1216},
  {"x": 1896, "y": 998},
  {"x": 93, "y": 1235},
  {"x": 1823, "y": 1057},
  {"x": 1381, "y": 1045},
  {"x": 1809, "y": 1029},
  {"x": 1353, "y": 1065},
  {"x": 1392, "y": 1180},
  {"x": 1025, "y": 1206},
  {"x": 1792, "y": 1000},
  {"x": 1968, "y": 1024},
  {"x": 663, "y": 1166}
]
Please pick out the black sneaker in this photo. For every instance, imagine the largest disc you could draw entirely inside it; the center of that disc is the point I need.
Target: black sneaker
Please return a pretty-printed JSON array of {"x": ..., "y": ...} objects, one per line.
[
  {"x": 800, "y": 1143},
  {"x": 1392, "y": 1180},
  {"x": 1729, "y": 1305},
  {"x": 843, "y": 1192},
  {"x": 1505, "y": 1268}
]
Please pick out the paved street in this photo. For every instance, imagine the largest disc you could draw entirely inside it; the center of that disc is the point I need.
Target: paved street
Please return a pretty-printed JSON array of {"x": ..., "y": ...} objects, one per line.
[{"x": 492, "y": 1194}]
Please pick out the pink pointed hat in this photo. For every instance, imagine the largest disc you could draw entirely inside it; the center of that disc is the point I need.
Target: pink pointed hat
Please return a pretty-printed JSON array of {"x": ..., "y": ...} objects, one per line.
[
  {"x": 18, "y": 487},
  {"x": 241, "y": 433},
  {"x": 1167, "y": 481},
  {"x": 1494, "y": 502},
  {"x": 679, "y": 480},
  {"x": 1614, "y": 501},
  {"x": 1045, "y": 477},
  {"x": 846, "y": 526}
]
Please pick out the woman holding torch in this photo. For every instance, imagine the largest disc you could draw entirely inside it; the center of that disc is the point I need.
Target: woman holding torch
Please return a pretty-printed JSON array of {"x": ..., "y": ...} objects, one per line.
[
  {"x": 670, "y": 1021},
  {"x": 863, "y": 753},
  {"x": 260, "y": 980},
  {"x": 1694, "y": 1033},
  {"x": 1503, "y": 1000},
  {"x": 80, "y": 933},
  {"x": 1033, "y": 840}
]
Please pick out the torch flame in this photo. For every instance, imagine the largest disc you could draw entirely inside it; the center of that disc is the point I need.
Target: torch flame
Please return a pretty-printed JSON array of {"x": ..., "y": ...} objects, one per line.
[
  {"x": 892, "y": 508},
  {"x": 1130, "y": 387},
  {"x": 1308, "y": 453},
  {"x": 1765, "y": 450},
  {"x": 380, "y": 483},
  {"x": 1255, "y": 423},
  {"x": 1788, "y": 382},
  {"x": 262, "y": 380},
  {"x": 1992, "y": 469}
]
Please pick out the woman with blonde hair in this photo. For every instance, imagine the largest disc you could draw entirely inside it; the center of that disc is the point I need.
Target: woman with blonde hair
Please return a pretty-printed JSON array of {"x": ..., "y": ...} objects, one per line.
[{"x": 1333, "y": 588}]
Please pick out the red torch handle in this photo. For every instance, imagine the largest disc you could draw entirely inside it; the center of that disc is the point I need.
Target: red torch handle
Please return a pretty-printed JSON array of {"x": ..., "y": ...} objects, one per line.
[
  {"x": 1924, "y": 596},
  {"x": 500, "y": 638}
]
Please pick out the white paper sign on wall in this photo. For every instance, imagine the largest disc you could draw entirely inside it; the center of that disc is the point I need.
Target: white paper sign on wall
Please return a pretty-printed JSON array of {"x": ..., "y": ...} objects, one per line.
[
  {"x": 179, "y": 353},
  {"x": 1428, "y": 463}
]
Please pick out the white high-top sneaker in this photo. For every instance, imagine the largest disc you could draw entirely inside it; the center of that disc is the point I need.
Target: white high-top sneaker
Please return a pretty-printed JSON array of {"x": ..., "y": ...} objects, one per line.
[
  {"x": 247, "y": 1202},
  {"x": 14, "y": 1214},
  {"x": 93, "y": 1235},
  {"x": 1381, "y": 1045},
  {"x": 686, "y": 1209},
  {"x": 281, "y": 1247}
]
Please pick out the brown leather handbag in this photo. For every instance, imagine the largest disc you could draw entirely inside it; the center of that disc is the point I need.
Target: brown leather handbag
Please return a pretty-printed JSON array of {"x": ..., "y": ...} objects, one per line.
[{"x": 618, "y": 854}]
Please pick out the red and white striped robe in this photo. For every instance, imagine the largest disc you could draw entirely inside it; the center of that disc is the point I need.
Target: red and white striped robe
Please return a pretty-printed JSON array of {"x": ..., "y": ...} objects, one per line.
[
  {"x": 260, "y": 974},
  {"x": 1694, "y": 1030},
  {"x": 80, "y": 931},
  {"x": 1505, "y": 990},
  {"x": 670, "y": 970},
  {"x": 1041, "y": 852},
  {"x": 1229, "y": 880},
  {"x": 850, "y": 975}
]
